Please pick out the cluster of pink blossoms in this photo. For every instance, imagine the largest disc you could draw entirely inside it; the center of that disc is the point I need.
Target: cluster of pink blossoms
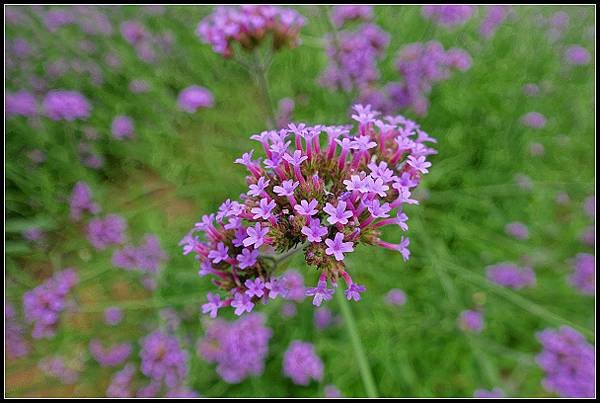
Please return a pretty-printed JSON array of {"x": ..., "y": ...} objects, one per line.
[
  {"x": 324, "y": 198},
  {"x": 249, "y": 25}
]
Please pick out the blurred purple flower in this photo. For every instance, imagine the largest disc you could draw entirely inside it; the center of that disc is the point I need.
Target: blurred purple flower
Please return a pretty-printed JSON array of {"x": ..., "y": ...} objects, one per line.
[{"x": 301, "y": 364}]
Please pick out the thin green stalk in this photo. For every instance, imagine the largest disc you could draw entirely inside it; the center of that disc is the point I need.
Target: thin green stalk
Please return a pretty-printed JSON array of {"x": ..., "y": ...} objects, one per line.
[
  {"x": 259, "y": 71},
  {"x": 359, "y": 352}
]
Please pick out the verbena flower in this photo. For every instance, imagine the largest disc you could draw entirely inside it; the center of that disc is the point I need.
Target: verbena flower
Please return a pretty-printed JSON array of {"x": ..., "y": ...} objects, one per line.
[
  {"x": 352, "y": 58},
  {"x": 14, "y": 341},
  {"x": 568, "y": 361},
  {"x": 494, "y": 17},
  {"x": 332, "y": 392},
  {"x": 43, "y": 305},
  {"x": 120, "y": 384},
  {"x": 584, "y": 273},
  {"x": 301, "y": 363},
  {"x": 66, "y": 105},
  {"x": 194, "y": 97},
  {"x": 104, "y": 232},
  {"x": 470, "y": 321},
  {"x": 324, "y": 196},
  {"x": 110, "y": 357},
  {"x": 20, "y": 103},
  {"x": 448, "y": 15},
  {"x": 511, "y": 276},
  {"x": 577, "y": 55},
  {"x": 239, "y": 348},
  {"x": 248, "y": 26},
  {"x": 535, "y": 120},
  {"x": 122, "y": 127},
  {"x": 342, "y": 14},
  {"x": 517, "y": 230},
  {"x": 494, "y": 393},
  {"x": 323, "y": 318},
  {"x": 163, "y": 359},
  {"x": 395, "y": 297},
  {"x": 113, "y": 316}
]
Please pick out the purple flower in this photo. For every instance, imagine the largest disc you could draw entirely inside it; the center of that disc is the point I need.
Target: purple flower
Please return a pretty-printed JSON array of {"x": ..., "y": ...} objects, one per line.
[
  {"x": 248, "y": 25},
  {"x": 81, "y": 201},
  {"x": 263, "y": 211},
  {"x": 286, "y": 189},
  {"x": 60, "y": 368},
  {"x": 66, "y": 105},
  {"x": 296, "y": 159},
  {"x": 338, "y": 247},
  {"x": 511, "y": 276},
  {"x": 113, "y": 316},
  {"x": 320, "y": 293},
  {"x": 448, "y": 15},
  {"x": 584, "y": 273},
  {"x": 337, "y": 214},
  {"x": 332, "y": 392},
  {"x": 395, "y": 297},
  {"x": 471, "y": 321},
  {"x": 301, "y": 364},
  {"x": 247, "y": 258},
  {"x": 517, "y": 230},
  {"x": 194, "y": 97},
  {"x": 220, "y": 254},
  {"x": 239, "y": 348},
  {"x": 307, "y": 209},
  {"x": 163, "y": 359},
  {"x": 43, "y": 305},
  {"x": 120, "y": 384},
  {"x": 577, "y": 55},
  {"x": 353, "y": 292},
  {"x": 112, "y": 357},
  {"x": 315, "y": 231},
  {"x": 535, "y": 120},
  {"x": 496, "y": 14},
  {"x": 122, "y": 127},
  {"x": 103, "y": 232},
  {"x": 255, "y": 288},
  {"x": 20, "y": 103},
  {"x": 242, "y": 303},
  {"x": 14, "y": 341},
  {"x": 213, "y": 304},
  {"x": 323, "y": 318},
  {"x": 568, "y": 361},
  {"x": 256, "y": 235},
  {"x": 342, "y": 14}
]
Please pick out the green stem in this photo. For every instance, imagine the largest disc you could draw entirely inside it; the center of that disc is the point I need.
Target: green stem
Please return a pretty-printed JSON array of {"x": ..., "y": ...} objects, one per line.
[
  {"x": 260, "y": 71},
  {"x": 359, "y": 352}
]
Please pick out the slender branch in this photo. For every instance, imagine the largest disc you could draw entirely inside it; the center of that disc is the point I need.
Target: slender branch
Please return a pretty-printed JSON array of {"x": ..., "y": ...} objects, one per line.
[
  {"x": 259, "y": 71},
  {"x": 359, "y": 352}
]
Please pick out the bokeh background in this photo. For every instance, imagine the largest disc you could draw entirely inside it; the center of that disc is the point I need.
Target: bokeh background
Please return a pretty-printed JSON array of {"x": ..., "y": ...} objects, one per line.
[{"x": 491, "y": 170}]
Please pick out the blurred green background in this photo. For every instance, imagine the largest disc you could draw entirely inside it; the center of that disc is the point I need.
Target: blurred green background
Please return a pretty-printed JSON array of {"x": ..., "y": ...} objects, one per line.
[{"x": 180, "y": 166}]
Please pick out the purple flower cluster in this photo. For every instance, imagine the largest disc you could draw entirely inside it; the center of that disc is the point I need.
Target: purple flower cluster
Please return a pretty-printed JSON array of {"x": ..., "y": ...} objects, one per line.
[
  {"x": 110, "y": 357},
  {"x": 395, "y": 297},
  {"x": 421, "y": 65},
  {"x": 353, "y": 58},
  {"x": 42, "y": 305},
  {"x": 568, "y": 361},
  {"x": 511, "y": 276},
  {"x": 103, "y": 232},
  {"x": 147, "y": 257},
  {"x": 120, "y": 384},
  {"x": 66, "y": 105},
  {"x": 342, "y": 14},
  {"x": 448, "y": 15},
  {"x": 284, "y": 112},
  {"x": 577, "y": 55},
  {"x": 194, "y": 97},
  {"x": 239, "y": 348},
  {"x": 57, "y": 367},
  {"x": 323, "y": 318},
  {"x": 14, "y": 342},
  {"x": 496, "y": 14},
  {"x": 147, "y": 46},
  {"x": 535, "y": 120},
  {"x": 584, "y": 273},
  {"x": 248, "y": 25},
  {"x": 494, "y": 393},
  {"x": 325, "y": 200},
  {"x": 470, "y": 321},
  {"x": 20, "y": 103},
  {"x": 81, "y": 201},
  {"x": 301, "y": 363},
  {"x": 163, "y": 359},
  {"x": 122, "y": 127},
  {"x": 517, "y": 230},
  {"x": 113, "y": 316}
]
